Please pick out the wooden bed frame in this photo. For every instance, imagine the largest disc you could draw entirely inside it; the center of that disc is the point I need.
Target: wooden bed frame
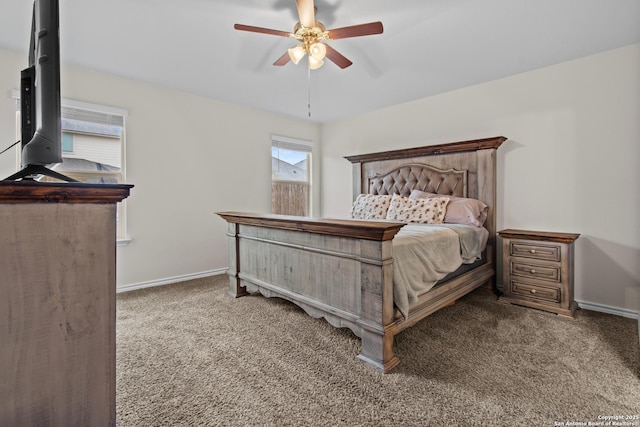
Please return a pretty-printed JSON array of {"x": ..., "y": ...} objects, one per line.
[{"x": 342, "y": 269}]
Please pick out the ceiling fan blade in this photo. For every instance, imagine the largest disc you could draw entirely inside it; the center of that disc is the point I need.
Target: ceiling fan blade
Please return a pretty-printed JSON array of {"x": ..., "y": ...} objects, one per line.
[
  {"x": 283, "y": 60},
  {"x": 356, "y": 31},
  {"x": 337, "y": 58},
  {"x": 306, "y": 12},
  {"x": 261, "y": 30}
]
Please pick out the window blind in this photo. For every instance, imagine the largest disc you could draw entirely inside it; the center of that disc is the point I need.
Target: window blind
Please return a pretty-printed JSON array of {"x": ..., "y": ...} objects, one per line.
[
  {"x": 291, "y": 144},
  {"x": 86, "y": 112},
  {"x": 92, "y": 116}
]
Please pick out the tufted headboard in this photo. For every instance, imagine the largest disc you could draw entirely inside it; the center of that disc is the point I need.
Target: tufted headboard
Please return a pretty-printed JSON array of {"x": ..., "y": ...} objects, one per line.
[{"x": 404, "y": 179}]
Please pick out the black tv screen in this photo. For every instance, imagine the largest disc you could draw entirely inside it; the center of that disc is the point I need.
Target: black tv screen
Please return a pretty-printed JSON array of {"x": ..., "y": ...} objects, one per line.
[
  {"x": 45, "y": 146},
  {"x": 41, "y": 111}
]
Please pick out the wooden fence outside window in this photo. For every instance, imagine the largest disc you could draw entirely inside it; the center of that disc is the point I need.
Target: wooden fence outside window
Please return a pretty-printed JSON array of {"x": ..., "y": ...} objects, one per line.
[{"x": 290, "y": 198}]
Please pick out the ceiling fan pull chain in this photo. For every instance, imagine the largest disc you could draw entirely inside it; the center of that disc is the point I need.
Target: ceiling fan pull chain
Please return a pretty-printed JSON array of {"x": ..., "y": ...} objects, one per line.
[{"x": 309, "y": 90}]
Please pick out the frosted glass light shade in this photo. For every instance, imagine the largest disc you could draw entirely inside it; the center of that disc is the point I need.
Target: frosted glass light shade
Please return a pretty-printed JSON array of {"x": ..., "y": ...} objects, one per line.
[
  {"x": 296, "y": 53},
  {"x": 314, "y": 63},
  {"x": 318, "y": 51}
]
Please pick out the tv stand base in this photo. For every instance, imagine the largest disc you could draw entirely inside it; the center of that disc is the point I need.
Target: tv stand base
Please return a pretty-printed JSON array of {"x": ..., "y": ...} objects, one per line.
[{"x": 28, "y": 173}]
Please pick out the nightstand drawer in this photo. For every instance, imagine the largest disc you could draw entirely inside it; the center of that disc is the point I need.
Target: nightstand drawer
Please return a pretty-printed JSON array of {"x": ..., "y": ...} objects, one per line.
[
  {"x": 527, "y": 290},
  {"x": 534, "y": 271},
  {"x": 542, "y": 252}
]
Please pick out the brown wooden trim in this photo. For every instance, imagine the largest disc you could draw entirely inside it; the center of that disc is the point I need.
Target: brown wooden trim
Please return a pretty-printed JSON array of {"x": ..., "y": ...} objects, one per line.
[
  {"x": 54, "y": 192},
  {"x": 453, "y": 147},
  {"x": 369, "y": 230},
  {"x": 548, "y": 236}
]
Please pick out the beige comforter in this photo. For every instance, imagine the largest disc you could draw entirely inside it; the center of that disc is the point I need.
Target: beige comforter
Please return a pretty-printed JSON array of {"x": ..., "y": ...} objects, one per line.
[{"x": 425, "y": 253}]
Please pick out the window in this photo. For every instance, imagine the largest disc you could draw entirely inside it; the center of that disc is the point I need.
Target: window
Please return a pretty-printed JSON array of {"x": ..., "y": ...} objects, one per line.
[
  {"x": 290, "y": 176},
  {"x": 92, "y": 147}
]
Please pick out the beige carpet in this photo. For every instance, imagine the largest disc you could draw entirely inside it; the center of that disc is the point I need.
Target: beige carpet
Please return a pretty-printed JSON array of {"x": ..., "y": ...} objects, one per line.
[{"x": 189, "y": 355}]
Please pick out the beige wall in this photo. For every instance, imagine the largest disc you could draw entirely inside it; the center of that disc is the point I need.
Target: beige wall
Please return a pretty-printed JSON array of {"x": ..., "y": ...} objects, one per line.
[
  {"x": 572, "y": 162},
  {"x": 188, "y": 158}
]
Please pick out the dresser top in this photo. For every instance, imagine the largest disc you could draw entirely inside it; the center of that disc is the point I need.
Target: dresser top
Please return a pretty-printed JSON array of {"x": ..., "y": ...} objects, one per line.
[
  {"x": 548, "y": 236},
  {"x": 66, "y": 192}
]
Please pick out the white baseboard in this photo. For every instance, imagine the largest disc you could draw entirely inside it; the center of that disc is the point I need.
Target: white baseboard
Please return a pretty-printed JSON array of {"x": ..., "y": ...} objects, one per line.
[
  {"x": 624, "y": 312},
  {"x": 170, "y": 280}
]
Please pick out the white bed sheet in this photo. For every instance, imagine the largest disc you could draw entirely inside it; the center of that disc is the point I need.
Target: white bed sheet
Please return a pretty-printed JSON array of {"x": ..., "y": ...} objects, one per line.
[{"x": 425, "y": 253}]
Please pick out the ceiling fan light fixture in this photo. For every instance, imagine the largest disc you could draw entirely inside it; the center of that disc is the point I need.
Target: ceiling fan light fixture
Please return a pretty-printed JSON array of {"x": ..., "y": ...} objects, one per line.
[
  {"x": 311, "y": 34},
  {"x": 318, "y": 51},
  {"x": 314, "y": 63},
  {"x": 296, "y": 53}
]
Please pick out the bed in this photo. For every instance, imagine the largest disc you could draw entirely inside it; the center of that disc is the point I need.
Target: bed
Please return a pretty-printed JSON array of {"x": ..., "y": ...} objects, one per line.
[{"x": 342, "y": 269}]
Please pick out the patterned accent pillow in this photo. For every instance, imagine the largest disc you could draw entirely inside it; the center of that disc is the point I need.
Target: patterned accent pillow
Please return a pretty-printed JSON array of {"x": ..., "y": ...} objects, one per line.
[
  {"x": 370, "y": 206},
  {"x": 429, "y": 211}
]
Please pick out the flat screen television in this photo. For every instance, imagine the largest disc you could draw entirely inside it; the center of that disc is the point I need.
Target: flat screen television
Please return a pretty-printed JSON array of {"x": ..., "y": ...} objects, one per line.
[{"x": 40, "y": 108}]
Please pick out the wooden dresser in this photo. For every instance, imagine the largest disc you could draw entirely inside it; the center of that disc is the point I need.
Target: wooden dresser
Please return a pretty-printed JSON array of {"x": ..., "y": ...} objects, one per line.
[
  {"x": 57, "y": 303},
  {"x": 538, "y": 270}
]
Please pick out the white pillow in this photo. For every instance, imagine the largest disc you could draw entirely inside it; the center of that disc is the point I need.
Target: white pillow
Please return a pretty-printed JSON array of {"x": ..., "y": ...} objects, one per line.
[
  {"x": 370, "y": 206},
  {"x": 429, "y": 211}
]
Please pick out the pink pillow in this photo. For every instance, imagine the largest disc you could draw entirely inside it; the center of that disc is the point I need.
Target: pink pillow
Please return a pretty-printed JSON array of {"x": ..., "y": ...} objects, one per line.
[{"x": 460, "y": 210}]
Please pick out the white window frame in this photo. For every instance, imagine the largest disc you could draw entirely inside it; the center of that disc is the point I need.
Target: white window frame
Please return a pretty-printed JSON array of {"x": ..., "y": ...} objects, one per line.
[{"x": 296, "y": 144}]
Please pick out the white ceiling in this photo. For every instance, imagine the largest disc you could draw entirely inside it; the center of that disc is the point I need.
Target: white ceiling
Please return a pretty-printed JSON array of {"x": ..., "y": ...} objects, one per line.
[{"x": 428, "y": 46}]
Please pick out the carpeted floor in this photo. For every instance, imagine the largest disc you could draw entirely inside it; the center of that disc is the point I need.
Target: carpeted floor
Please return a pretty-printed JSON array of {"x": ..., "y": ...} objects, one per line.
[{"x": 189, "y": 355}]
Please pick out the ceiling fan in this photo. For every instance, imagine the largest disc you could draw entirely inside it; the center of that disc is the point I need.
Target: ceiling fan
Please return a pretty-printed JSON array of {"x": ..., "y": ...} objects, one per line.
[{"x": 312, "y": 35}]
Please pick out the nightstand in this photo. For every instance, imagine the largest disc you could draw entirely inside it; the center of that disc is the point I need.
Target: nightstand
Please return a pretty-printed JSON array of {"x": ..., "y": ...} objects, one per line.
[{"x": 538, "y": 270}]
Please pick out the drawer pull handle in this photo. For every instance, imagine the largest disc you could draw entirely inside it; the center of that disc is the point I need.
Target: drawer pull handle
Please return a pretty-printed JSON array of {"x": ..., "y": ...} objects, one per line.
[
  {"x": 533, "y": 271},
  {"x": 533, "y": 251},
  {"x": 533, "y": 291}
]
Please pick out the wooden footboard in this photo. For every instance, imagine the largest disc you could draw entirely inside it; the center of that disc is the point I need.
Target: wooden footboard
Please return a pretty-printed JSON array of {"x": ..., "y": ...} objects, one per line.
[{"x": 341, "y": 270}]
